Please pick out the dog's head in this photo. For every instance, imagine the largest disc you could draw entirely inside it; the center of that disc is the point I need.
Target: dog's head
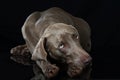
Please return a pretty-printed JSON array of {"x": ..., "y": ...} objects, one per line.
[{"x": 63, "y": 43}]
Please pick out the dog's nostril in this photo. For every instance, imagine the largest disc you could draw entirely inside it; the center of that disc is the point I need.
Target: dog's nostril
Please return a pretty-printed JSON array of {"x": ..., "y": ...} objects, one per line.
[{"x": 87, "y": 61}]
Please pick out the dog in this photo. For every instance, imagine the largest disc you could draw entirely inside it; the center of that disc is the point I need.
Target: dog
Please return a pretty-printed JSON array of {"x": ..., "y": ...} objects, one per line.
[{"x": 59, "y": 35}]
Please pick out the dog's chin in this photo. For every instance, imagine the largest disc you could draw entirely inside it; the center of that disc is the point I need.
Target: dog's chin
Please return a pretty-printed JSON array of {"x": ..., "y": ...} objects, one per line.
[
  {"x": 78, "y": 70},
  {"x": 74, "y": 71}
]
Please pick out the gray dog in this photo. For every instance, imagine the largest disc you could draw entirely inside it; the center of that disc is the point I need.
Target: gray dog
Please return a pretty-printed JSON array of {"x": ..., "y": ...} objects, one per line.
[{"x": 63, "y": 37}]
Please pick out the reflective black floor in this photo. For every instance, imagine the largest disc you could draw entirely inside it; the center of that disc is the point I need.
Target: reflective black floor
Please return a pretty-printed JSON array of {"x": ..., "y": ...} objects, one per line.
[
  {"x": 15, "y": 71},
  {"x": 104, "y": 68}
]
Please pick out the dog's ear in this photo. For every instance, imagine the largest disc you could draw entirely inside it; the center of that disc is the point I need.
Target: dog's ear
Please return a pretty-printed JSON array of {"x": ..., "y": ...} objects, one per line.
[
  {"x": 39, "y": 52},
  {"x": 85, "y": 33}
]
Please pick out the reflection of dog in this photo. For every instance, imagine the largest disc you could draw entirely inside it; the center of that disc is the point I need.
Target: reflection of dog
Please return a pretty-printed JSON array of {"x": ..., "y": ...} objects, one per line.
[{"x": 61, "y": 36}]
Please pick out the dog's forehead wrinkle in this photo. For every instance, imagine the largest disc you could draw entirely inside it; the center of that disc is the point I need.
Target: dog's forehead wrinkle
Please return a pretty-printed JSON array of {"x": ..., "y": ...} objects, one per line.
[
  {"x": 62, "y": 27},
  {"x": 59, "y": 32}
]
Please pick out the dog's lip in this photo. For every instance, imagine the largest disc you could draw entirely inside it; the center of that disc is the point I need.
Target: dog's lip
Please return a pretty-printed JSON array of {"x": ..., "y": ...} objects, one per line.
[
  {"x": 84, "y": 70},
  {"x": 89, "y": 66}
]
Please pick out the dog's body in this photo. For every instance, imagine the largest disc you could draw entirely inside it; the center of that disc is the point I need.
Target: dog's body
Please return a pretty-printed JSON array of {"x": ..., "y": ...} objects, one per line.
[
  {"x": 37, "y": 22},
  {"x": 62, "y": 36}
]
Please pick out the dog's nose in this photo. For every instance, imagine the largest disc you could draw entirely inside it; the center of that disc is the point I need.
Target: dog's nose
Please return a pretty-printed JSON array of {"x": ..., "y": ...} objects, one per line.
[{"x": 87, "y": 61}]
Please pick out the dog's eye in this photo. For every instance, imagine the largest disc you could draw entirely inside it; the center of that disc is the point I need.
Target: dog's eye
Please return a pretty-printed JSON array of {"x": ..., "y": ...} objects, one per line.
[
  {"x": 75, "y": 36},
  {"x": 61, "y": 46}
]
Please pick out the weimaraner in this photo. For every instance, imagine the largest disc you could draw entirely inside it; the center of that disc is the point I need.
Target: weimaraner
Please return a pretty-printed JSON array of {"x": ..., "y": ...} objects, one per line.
[{"x": 60, "y": 35}]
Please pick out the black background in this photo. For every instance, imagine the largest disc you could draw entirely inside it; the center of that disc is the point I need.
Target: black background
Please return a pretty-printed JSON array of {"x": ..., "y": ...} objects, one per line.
[{"x": 102, "y": 16}]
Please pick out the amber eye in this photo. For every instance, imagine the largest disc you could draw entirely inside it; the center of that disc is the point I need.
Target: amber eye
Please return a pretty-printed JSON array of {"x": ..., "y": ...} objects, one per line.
[
  {"x": 61, "y": 46},
  {"x": 75, "y": 36}
]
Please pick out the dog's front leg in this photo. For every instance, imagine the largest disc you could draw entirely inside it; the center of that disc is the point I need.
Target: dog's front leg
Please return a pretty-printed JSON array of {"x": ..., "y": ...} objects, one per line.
[
  {"x": 48, "y": 69},
  {"x": 21, "y": 54}
]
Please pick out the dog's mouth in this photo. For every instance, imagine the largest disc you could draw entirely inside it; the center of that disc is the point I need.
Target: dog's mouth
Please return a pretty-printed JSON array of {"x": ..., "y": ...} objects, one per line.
[
  {"x": 78, "y": 70},
  {"x": 72, "y": 70}
]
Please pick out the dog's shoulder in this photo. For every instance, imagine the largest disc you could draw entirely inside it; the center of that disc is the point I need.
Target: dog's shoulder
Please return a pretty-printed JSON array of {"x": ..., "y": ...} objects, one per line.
[{"x": 33, "y": 17}]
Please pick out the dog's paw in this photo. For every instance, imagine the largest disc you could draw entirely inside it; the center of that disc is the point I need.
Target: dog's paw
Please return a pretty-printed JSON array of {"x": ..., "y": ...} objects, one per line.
[
  {"x": 51, "y": 71},
  {"x": 20, "y": 50},
  {"x": 21, "y": 54}
]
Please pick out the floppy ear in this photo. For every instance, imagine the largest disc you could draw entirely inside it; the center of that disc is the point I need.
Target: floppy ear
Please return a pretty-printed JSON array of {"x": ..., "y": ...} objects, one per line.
[
  {"x": 39, "y": 52},
  {"x": 84, "y": 31}
]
